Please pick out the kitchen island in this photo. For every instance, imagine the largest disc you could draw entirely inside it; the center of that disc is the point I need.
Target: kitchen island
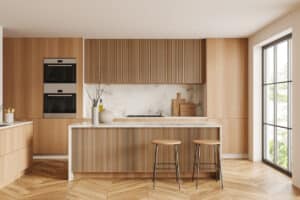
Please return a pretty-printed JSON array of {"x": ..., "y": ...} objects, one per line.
[{"x": 124, "y": 149}]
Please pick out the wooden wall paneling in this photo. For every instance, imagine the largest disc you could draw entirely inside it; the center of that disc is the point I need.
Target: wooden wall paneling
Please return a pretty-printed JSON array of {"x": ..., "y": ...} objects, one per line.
[
  {"x": 158, "y": 61},
  {"x": 35, "y": 88},
  {"x": 144, "y": 66},
  {"x": 13, "y": 75},
  {"x": 227, "y": 78},
  {"x": 227, "y": 90},
  {"x": 192, "y": 61},
  {"x": 235, "y": 138}
]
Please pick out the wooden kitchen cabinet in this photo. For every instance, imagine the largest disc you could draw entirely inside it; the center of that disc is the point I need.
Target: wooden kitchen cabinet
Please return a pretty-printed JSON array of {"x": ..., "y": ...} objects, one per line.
[
  {"x": 144, "y": 61},
  {"x": 23, "y": 84},
  {"x": 129, "y": 150},
  {"x": 227, "y": 90},
  {"x": 51, "y": 136},
  {"x": 131, "y": 71},
  {"x": 158, "y": 61},
  {"x": 15, "y": 152},
  {"x": 23, "y": 72},
  {"x": 108, "y": 61},
  {"x": 92, "y": 61},
  {"x": 192, "y": 61}
]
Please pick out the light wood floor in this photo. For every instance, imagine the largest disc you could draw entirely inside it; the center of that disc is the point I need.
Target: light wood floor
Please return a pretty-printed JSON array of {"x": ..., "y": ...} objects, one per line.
[{"x": 242, "y": 180}]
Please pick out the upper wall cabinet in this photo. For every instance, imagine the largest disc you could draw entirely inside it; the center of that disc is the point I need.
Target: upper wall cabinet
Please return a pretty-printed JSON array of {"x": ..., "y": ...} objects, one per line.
[{"x": 144, "y": 61}]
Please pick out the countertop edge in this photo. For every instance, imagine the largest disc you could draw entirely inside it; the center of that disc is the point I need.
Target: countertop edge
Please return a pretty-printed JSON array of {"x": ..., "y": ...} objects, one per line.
[
  {"x": 113, "y": 125},
  {"x": 16, "y": 124}
]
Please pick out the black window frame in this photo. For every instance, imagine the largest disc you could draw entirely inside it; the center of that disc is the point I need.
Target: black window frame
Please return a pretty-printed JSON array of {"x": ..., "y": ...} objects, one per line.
[{"x": 275, "y": 83}]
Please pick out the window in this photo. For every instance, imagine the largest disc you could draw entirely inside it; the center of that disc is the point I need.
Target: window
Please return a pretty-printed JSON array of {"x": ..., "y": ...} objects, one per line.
[{"x": 277, "y": 82}]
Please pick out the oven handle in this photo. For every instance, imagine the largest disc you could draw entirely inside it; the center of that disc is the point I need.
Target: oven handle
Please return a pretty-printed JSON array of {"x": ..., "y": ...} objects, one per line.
[
  {"x": 60, "y": 95},
  {"x": 59, "y": 65}
]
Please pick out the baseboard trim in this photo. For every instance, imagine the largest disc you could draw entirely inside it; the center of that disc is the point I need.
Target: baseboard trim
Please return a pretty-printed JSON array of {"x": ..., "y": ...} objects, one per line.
[
  {"x": 65, "y": 157},
  {"x": 234, "y": 156},
  {"x": 50, "y": 157}
]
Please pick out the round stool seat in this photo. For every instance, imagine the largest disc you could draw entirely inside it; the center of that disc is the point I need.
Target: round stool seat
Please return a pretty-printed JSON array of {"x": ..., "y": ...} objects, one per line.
[
  {"x": 207, "y": 142},
  {"x": 166, "y": 142}
]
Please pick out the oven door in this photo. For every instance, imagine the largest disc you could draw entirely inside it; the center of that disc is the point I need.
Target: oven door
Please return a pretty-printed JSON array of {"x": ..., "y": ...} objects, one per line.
[
  {"x": 59, "y": 73},
  {"x": 59, "y": 105}
]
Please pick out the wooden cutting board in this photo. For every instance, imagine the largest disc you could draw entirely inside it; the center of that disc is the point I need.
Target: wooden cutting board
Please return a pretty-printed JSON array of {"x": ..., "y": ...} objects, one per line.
[
  {"x": 176, "y": 104},
  {"x": 187, "y": 109}
]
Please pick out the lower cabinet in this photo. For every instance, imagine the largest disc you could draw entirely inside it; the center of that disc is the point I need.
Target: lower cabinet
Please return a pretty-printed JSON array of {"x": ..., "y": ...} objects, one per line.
[
  {"x": 15, "y": 152},
  {"x": 51, "y": 136}
]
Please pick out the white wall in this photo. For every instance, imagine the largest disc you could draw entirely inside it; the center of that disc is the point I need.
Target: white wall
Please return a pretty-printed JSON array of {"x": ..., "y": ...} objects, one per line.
[
  {"x": 1, "y": 72},
  {"x": 290, "y": 22},
  {"x": 126, "y": 99}
]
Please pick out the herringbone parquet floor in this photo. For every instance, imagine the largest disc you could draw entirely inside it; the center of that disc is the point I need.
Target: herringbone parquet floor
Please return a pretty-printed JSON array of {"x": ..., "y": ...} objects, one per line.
[{"x": 242, "y": 180}]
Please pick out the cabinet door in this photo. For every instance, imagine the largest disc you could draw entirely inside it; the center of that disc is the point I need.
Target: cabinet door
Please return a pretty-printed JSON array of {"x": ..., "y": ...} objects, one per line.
[
  {"x": 131, "y": 74},
  {"x": 92, "y": 64},
  {"x": 175, "y": 61},
  {"x": 121, "y": 60},
  {"x": 158, "y": 61},
  {"x": 108, "y": 61},
  {"x": 52, "y": 136},
  {"x": 144, "y": 68},
  {"x": 192, "y": 61}
]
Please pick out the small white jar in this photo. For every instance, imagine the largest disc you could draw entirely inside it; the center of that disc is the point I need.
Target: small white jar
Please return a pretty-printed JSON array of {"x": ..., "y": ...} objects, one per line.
[{"x": 9, "y": 118}]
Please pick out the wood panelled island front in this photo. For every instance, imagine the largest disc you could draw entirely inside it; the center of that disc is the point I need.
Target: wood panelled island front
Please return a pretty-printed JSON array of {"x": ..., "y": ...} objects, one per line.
[{"x": 126, "y": 149}]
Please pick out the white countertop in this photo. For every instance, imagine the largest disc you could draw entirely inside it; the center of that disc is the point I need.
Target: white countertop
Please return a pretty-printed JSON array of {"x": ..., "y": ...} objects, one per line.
[
  {"x": 203, "y": 124},
  {"x": 15, "y": 124}
]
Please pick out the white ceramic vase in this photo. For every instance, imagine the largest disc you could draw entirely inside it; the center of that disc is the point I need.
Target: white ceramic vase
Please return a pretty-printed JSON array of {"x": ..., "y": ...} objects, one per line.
[{"x": 95, "y": 116}]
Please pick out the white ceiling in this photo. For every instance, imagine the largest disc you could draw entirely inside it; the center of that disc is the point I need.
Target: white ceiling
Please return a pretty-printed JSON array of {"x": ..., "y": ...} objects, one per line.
[{"x": 139, "y": 18}]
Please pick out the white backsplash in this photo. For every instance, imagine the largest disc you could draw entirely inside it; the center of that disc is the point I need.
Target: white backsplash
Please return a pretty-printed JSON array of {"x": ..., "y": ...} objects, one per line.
[{"x": 126, "y": 99}]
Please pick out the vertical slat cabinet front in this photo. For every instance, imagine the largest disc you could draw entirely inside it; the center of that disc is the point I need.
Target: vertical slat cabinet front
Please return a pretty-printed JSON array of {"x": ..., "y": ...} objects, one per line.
[
  {"x": 192, "y": 61},
  {"x": 132, "y": 75},
  {"x": 121, "y": 60},
  {"x": 92, "y": 61},
  {"x": 175, "y": 61},
  {"x": 144, "y": 68},
  {"x": 158, "y": 61},
  {"x": 108, "y": 61}
]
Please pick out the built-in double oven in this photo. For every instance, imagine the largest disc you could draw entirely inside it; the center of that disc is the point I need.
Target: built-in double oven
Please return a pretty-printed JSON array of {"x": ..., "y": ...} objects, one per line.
[{"x": 59, "y": 88}]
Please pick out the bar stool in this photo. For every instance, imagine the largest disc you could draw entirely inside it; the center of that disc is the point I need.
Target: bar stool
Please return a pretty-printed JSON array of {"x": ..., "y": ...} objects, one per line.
[
  {"x": 175, "y": 144},
  {"x": 215, "y": 144}
]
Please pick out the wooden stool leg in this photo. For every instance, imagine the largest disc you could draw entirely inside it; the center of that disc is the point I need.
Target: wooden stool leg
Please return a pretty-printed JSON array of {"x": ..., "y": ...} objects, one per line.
[
  {"x": 177, "y": 165},
  {"x": 195, "y": 159},
  {"x": 198, "y": 165},
  {"x": 220, "y": 167},
  {"x": 155, "y": 165}
]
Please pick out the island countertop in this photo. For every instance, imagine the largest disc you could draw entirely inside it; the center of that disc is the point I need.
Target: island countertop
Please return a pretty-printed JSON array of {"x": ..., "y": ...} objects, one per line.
[{"x": 152, "y": 122}]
